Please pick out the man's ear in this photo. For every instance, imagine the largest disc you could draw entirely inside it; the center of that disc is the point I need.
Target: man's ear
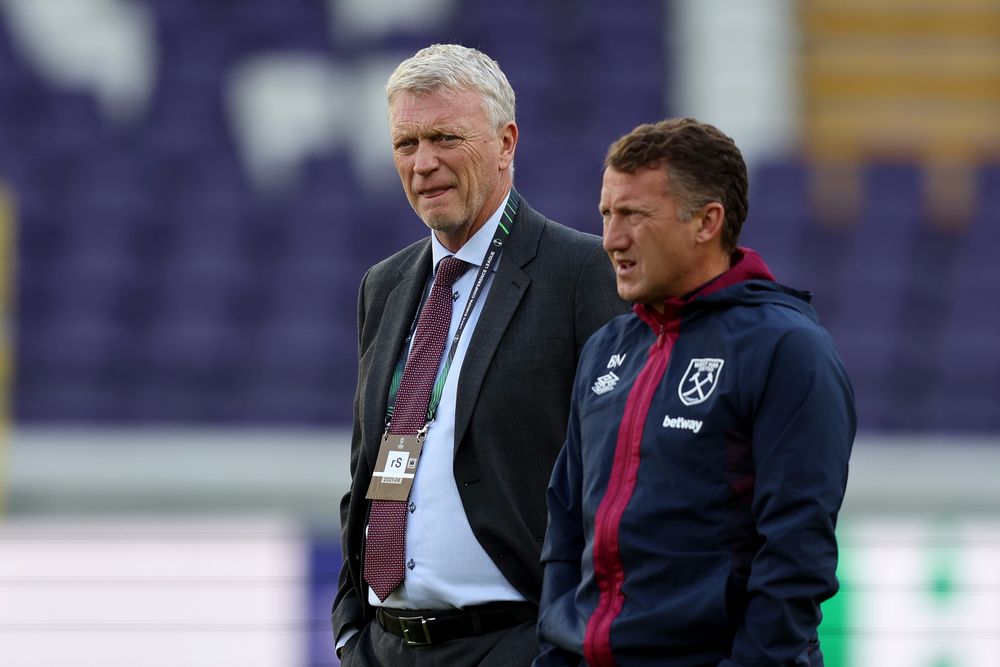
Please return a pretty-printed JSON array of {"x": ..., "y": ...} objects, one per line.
[
  {"x": 711, "y": 219},
  {"x": 508, "y": 143}
]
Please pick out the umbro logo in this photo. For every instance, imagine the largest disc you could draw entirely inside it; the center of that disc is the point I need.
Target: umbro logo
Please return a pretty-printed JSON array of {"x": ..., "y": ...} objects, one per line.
[{"x": 605, "y": 383}]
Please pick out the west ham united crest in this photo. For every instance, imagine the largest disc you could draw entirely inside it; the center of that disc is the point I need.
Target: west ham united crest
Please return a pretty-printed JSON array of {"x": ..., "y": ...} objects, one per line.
[{"x": 699, "y": 380}]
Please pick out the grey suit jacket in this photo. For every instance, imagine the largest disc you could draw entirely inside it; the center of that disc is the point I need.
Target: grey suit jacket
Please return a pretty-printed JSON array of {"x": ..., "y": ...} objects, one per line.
[{"x": 553, "y": 288}]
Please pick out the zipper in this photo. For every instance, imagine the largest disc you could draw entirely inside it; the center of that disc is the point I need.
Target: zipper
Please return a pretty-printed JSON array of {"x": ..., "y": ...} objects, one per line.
[{"x": 608, "y": 569}]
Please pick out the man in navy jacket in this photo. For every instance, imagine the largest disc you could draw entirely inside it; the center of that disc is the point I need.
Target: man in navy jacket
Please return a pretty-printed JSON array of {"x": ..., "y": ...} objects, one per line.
[{"x": 692, "y": 511}]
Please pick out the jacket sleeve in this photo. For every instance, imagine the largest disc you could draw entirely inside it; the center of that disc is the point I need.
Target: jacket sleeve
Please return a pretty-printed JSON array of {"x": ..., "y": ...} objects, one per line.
[
  {"x": 348, "y": 609},
  {"x": 560, "y": 633},
  {"x": 348, "y": 612},
  {"x": 803, "y": 431}
]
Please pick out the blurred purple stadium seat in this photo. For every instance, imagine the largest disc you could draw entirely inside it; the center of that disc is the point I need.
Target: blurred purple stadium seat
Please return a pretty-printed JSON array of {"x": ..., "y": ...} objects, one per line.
[
  {"x": 780, "y": 214},
  {"x": 967, "y": 363},
  {"x": 69, "y": 369},
  {"x": 873, "y": 286}
]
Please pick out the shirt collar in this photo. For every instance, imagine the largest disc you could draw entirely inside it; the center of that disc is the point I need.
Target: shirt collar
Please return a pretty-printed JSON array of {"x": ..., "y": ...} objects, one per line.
[{"x": 474, "y": 250}]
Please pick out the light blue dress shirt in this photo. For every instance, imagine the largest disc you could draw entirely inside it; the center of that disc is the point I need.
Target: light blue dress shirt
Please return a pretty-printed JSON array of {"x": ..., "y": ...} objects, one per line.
[{"x": 445, "y": 564}]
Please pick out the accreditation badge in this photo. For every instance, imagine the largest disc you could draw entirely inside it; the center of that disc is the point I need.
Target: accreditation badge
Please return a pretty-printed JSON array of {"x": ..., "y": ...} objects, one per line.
[{"x": 395, "y": 467}]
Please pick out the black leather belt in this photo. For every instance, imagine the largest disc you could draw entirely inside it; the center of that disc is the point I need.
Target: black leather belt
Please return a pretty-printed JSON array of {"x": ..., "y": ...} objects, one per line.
[{"x": 420, "y": 627}]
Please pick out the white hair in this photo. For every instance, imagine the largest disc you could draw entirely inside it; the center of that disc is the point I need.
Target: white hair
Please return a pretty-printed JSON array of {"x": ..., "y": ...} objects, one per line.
[{"x": 456, "y": 68}]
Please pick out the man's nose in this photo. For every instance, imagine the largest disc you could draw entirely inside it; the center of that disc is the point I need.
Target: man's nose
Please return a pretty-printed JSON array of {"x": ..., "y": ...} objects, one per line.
[
  {"x": 425, "y": 159},
  {"x": 612, "y": 236}
]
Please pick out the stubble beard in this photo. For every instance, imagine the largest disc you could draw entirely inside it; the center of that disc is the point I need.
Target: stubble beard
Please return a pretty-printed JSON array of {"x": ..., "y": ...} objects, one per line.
[{"x": 454, "y": 228}]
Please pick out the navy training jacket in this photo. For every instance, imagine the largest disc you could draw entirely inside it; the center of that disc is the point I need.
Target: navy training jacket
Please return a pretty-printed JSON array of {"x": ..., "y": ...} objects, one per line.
[{"x": 693, "y": 508}]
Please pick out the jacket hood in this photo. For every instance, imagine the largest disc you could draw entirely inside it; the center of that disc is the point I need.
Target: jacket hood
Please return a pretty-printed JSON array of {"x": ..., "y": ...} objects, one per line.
[{"x": 747, "y": 282}]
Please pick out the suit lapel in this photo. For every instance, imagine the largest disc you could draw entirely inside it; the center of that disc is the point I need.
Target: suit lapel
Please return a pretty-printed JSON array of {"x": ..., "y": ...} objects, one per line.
[
  {"x": 506, "y": 292},
  {"x": 397, "y": 316}
]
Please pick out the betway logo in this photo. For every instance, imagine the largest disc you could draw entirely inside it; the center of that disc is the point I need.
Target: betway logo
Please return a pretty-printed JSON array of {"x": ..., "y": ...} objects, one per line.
[{"x": 681, "y": 423}]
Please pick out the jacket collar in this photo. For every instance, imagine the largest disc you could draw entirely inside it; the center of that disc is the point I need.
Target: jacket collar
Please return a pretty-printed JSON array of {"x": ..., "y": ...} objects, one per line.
[{"x": 746, "y": 265}]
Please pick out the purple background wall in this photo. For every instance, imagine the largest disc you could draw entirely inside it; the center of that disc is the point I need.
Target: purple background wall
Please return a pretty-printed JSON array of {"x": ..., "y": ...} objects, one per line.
[{"x": 156, "y": 285}]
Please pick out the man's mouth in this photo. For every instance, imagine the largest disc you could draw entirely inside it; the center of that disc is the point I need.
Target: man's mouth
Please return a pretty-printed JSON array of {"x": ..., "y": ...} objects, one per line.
[
  {"x": 623, "y": 266},
  {"x": 431, "y": 193}
]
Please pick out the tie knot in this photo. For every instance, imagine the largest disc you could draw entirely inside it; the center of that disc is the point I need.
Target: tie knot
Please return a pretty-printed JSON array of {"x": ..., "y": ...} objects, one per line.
[{"x": 449, "y": 269}]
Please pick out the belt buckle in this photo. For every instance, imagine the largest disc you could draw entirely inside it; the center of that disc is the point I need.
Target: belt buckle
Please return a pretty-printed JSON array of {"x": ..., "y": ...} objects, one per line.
[{"x": 403, "y": 620}]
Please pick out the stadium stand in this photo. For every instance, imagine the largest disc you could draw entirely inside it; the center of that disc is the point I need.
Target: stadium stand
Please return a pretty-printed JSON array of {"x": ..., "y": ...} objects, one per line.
[{"x": 155, "y": 284}]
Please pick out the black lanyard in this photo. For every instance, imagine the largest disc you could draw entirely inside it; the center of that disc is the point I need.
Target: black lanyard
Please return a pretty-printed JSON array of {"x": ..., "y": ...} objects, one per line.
[{"x": 492, "y": 255}]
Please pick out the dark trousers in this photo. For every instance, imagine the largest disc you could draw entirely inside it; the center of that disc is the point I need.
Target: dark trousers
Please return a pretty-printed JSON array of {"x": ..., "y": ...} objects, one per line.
[{"x": 516, "y": 646}]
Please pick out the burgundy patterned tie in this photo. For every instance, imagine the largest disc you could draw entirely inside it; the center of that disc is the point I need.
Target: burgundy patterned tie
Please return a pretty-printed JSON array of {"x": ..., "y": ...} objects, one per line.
[{"x": 386, "y": 541}]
